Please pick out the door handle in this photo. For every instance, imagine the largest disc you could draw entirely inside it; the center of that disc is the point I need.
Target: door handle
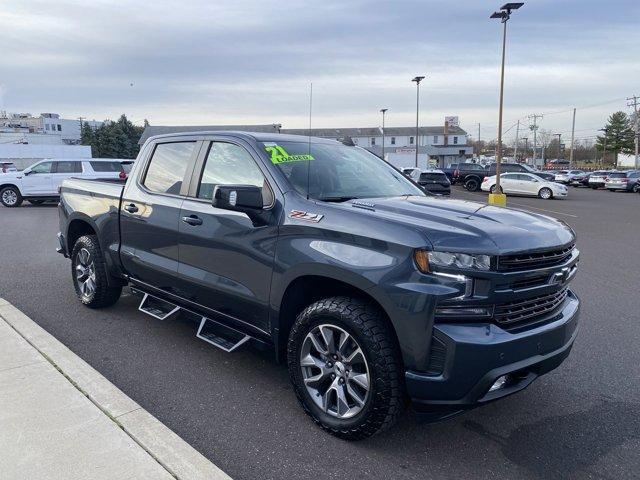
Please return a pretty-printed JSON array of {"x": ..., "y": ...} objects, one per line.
[
  {"x": 192, "y": 220},
  {"x": 131, "y": 208}
]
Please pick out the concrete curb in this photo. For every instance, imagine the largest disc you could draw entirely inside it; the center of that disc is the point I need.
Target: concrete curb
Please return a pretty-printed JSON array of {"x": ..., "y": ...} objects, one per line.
[{"x": 168, "y": 449}]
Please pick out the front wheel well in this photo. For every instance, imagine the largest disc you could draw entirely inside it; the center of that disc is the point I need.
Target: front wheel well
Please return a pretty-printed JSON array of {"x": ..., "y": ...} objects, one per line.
[
  {"x": 304, "y": 291},
  {"x": 5, "y": 185}
]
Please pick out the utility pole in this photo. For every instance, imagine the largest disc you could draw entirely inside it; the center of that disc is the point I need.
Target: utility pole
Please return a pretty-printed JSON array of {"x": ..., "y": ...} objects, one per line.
[
  {"x": 633, "y": 102},
  {"x": 515, "y": 152},
  {"x": 80, "y": 119},
  {"x": 573, "y": 131},
  {"x": 534, "y": 128},
  {"x": 479, "y": 148},
  {"x": 526, "y": 147},
  {"x": 559, "y": 135}
]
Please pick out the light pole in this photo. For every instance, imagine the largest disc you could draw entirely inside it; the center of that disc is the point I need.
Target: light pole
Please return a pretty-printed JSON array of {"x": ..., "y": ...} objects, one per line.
[
  {"x": 559, "y": 135},
  {"x": 604, "y": 146},
  {"x": 503, "y": 15},
  {"x": 417, "y": 80},
  {"x": 383, "y": 110},
  {"x": 526, "y": 148}
]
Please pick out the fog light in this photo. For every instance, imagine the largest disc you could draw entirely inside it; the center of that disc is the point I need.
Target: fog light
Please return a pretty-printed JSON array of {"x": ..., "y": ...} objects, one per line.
[{"x": 499, "y": 383}]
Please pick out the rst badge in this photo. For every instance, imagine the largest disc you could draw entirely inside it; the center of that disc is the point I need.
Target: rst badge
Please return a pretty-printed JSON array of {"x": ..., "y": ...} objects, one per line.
[{"x": 309, "y": 217}]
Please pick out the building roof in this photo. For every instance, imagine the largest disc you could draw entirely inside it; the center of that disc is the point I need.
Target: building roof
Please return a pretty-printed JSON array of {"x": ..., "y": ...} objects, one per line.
[
  {"x": 151, "y": 131},
  {"x": 409, "y": 131},
  {"x": 372, "y": 131}
]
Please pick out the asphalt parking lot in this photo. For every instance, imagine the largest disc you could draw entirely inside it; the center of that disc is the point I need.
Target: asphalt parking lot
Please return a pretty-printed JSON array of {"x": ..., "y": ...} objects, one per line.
[{"x": 580, "y": 421}]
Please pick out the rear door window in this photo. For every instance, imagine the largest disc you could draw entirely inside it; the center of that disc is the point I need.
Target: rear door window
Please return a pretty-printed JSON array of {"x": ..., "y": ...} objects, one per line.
[
  {"x": 68, "y": 167},
  {"x": 106, "y": 166},
  {"x": 168, "y": 166}
]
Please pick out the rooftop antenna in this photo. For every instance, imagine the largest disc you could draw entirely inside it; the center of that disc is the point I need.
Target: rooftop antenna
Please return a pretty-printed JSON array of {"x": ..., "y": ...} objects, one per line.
[{"x": 309, "y": 137}]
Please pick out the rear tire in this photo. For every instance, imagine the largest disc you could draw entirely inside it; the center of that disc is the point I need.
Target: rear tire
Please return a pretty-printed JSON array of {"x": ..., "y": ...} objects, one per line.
[
  {"x": 363, "y": 412},
  {"x": 473, "y": 185},
  {"x": 493, "y": 189},
  {"x": 545, "y": 193},
  {"x": 89, "y": 274},
  {"x": 10, "y": 197},
  {"x": 636, "y": 188}
]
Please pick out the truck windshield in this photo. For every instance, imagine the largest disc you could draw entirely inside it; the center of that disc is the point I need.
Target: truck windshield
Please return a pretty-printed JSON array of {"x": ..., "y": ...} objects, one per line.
[{"x": 337, "y": 173}]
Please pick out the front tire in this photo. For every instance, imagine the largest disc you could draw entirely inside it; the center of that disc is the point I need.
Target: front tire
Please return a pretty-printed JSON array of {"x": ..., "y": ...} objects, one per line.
[
  {"x": 346, "y": 368},
  {"x": 90, "y": 275},
  {"x": 10, "y": 197},
  {"x": 545, "y": 193}
]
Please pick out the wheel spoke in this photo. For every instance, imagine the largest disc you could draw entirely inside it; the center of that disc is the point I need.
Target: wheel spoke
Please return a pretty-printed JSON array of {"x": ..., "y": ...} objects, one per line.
[
  {"x": 355, "y": 395},
  {"x": 361, "y": 379},
  {"x": 355, "y": 354},
  {"x": 316, "y": 344},
  {"x": 311, "y": 361},
  {"x": 342, "y": 403},
  {"x": 344, "y": 338},
  {"x": 328, "y": 337}
]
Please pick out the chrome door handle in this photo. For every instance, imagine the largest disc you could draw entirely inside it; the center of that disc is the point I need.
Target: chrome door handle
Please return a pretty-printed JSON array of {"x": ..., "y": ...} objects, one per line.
[
  {"x": 192, "y": 220},
  {"x": 131, "y": 208}
]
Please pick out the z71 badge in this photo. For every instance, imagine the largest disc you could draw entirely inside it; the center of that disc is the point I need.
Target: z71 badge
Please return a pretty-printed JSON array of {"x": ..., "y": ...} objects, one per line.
[{"x": 309, "y": 217}]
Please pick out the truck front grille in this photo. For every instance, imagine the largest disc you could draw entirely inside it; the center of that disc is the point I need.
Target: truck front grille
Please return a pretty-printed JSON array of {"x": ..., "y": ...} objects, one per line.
[
  {"x": 520, "y": 312},
  {"x": 530, "y": 261}
]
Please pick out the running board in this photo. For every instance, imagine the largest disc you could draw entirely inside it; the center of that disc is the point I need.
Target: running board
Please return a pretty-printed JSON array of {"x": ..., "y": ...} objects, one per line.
[
  {"x": 157, "y": 308},
  {"x": 221, "y": 336}
]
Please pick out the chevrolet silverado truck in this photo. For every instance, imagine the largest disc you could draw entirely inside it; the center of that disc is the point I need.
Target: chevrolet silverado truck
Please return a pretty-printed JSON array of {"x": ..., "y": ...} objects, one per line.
[{"x": 376, "y": 294}]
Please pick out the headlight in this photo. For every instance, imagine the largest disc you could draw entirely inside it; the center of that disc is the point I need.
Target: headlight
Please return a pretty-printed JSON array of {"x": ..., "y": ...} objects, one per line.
[{"x": 425, "y": 259}]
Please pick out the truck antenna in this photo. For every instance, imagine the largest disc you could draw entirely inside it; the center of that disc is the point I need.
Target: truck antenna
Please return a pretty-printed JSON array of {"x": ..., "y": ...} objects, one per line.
[{"x": 309, "y": 137}]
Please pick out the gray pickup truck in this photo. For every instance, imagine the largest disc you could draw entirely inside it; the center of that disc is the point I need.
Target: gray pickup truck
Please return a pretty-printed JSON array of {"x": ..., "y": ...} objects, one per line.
[{"x": 375, "y": 293}]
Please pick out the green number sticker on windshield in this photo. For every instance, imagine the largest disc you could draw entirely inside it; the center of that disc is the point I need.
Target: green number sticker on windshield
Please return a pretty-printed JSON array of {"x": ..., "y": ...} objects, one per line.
[{"x": 280, "y": 155}]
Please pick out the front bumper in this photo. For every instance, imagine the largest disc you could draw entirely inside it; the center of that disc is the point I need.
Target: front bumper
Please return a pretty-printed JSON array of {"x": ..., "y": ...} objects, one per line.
[
  {"x": 476, "y": 355},
  {"x": 616, "y": 186}
]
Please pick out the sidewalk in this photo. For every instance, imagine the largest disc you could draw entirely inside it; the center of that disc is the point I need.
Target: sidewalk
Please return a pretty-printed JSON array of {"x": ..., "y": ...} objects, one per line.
[{"x": 61, "y": 419}]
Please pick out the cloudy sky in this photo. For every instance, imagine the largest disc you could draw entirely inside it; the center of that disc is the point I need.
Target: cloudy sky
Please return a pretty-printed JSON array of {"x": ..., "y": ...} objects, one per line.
[{"x": 240, "y": 61}]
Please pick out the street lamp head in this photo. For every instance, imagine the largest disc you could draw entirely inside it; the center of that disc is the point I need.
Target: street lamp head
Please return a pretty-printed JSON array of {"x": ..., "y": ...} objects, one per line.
[
  {"x": 500, "y": 15},
  {"x": 511, "y": 6},
  {"x": 418, "y": 79},
  {"x": 384, "y": 110}
]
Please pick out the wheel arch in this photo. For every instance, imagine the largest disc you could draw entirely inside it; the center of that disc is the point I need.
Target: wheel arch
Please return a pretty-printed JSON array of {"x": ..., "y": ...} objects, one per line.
[
  {"x": 306, "y": 289},
  {"x": 78, "y": 227}
]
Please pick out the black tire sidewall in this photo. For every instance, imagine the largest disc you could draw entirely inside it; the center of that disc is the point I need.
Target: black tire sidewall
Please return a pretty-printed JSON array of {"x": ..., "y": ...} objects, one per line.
[
  {"x": 87, "y": 243},
  {"x": 104, "y": 295},
  {"x": 471, "y": 184},
  {"x": 366, "y": 422}
]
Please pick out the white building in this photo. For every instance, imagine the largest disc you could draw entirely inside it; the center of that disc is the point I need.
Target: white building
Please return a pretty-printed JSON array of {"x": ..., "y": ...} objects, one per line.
[
  {"x": 60, "y": 131},
  {"x": 437, "y": 146}
]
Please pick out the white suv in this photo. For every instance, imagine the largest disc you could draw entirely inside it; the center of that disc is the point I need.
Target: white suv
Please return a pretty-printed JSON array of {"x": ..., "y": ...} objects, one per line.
[{"x": 39, "y": 182}]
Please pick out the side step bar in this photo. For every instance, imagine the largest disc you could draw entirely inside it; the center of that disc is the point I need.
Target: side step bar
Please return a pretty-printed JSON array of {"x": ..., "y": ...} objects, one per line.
[
  {"x": 157, "y": 308},
  {"x": 221, "y": 336}
]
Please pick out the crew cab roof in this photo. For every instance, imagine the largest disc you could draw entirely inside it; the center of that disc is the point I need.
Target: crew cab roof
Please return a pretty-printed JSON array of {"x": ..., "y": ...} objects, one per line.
[{"x": 255, "y": 136}]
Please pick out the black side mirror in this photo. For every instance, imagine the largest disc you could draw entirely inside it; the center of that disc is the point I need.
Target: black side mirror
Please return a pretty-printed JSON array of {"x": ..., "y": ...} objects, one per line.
[
  {"x": 240, "y": 198},
  {"x": 28, "y": 172}
]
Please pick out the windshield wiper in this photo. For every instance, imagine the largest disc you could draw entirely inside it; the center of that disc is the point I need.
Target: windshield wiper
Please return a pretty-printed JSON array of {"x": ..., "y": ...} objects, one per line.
[{"x": 336, "y": 199}]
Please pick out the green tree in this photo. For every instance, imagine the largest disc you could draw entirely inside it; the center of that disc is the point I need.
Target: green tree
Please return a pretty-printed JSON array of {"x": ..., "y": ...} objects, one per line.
[
  {"x": 618, "y": 137},
  {"x": 117, "y": 139}
]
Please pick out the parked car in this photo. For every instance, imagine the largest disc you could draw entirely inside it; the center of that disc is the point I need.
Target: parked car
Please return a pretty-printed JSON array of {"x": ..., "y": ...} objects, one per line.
[
  {"x": 7, "y": 167},
  {"x": 580, "y": 180},
  {"x": 626, "y": 181},
  {"x": 598, "y": 178},
  {"x": 471, "y": 174},
  {"x": 565, "y": 176},
  {"x": 372, "y": 291},
  {"x": 433, "y": 181},
  {"x": 525, "y": 184},
  {"x": 40, "y": 182},
  {"x": 408, "y": 171},
  {"x": 549, "y": 177}
]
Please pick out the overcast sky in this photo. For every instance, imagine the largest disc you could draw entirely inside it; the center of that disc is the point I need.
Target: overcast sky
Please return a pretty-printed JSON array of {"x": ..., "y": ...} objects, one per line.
[{"x": 240, "y": 61}]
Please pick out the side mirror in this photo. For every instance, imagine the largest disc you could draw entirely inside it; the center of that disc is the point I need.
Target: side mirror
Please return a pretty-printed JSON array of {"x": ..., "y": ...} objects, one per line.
[
  {"x": 239, "y": 198},
  {"x": 27, "y": 172}
]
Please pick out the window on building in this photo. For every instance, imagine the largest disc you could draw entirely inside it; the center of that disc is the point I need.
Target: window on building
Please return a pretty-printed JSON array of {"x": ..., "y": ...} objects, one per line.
[
  {"x": 168, "y": 166},
  {"x": 59, "y": 127},
  {"x": 393, "y": 140},
  {"x": 46, "y": 126},
  {"x": 229, "y": 164},
  {"x": 410, "y": 140},
  {"x": 373, "y": 141},
  {"x": 435, "y": 139},
  {"x": 455, "y": 140}
]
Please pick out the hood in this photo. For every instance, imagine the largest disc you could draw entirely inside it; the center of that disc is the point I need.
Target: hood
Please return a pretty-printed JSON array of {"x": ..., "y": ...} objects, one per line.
[{"x": 457, "y": 225}]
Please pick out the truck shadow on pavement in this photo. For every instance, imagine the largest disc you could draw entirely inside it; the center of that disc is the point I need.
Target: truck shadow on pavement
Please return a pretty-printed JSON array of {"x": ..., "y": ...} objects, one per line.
[{"x": 568, "y": 446}]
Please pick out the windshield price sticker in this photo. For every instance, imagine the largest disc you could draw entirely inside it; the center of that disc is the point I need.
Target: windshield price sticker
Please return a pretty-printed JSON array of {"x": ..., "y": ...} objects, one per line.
[{"x": 280, "y": 155}]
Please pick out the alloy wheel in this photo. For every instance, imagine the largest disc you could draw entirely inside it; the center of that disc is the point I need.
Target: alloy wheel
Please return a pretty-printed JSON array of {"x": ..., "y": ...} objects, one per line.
[
  {"x": 335, "y": 371},
  {"x": 9, "y": 197},
  {"x": 85, "y": 272}
]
